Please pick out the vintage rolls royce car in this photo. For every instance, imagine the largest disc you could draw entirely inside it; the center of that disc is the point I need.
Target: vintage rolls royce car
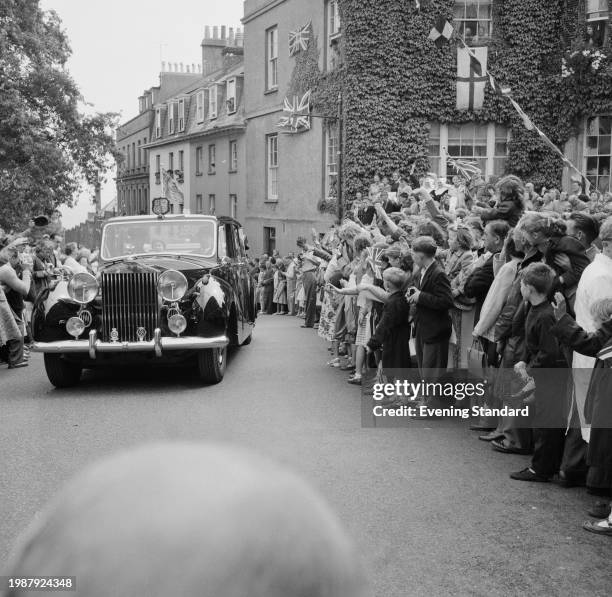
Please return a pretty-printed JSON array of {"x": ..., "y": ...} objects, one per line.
[{"x": 169, "y": 289}]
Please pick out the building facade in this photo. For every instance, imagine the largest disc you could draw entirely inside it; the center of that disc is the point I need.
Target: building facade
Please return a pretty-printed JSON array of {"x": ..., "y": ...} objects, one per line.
[
  {"x": 196, "y": 156},
  {"x": 290, "y": 168},
  {"x": 132, "y": 137}
]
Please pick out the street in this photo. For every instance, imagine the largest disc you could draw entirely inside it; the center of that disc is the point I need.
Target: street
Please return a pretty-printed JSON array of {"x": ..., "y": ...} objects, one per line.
[{"x": 431, "y": 508}]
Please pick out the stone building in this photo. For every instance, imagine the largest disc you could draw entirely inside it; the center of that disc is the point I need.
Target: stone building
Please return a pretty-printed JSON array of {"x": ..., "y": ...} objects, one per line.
[{"x": 196, "y": 151}]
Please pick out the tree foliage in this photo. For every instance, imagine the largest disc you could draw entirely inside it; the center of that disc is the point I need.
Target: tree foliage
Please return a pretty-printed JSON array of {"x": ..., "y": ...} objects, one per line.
[{"x": 50, "y": 146}]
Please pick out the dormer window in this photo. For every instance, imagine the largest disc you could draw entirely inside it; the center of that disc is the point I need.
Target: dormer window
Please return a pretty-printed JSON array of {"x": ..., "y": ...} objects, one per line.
[
  {"x": 158, "y": 129},
  {"x": 171, "y": 120},
  {"x": 231, "y": 95},
  {"x": 212, "y": 102},
  {"x": 200, "y": 106},
  {"x": 181, "y": 115}
]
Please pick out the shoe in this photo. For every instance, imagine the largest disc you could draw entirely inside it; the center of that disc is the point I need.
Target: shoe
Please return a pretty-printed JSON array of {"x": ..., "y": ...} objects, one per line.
[
  {"x": 562, "y": 480},
  {"x": 306, "y": 326},
  {"x": 334, "y": 363},
  {"x": 356, "y": 381},
  {"x": 481, "y": 427},
  {"x": 601, "y": 527},
  {"x": 491, "y": 436},
  {"x": 18, "y": 365},
  {"x": 347, "y": 368},
  {"x": 528, "y": 475},
  {"x": 599, "y": 510},
  {"x": 506, "y": 449}
]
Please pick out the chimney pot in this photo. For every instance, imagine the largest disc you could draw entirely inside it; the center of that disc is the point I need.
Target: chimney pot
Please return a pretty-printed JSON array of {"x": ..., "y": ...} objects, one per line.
[
  {"x": 199, "y": 68},
  {"x": 207, "y": 32},
  {"x": 215, "y": 32},
  {"x": 176, "y": 67},
  {"x": 188, "y": 68},
  {"x": 182, "y": 67},
  {"x": 223, "y": 29}
]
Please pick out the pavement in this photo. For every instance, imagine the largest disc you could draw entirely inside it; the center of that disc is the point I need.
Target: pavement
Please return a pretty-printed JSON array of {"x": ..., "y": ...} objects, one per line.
[{"x": 431, "y": 508}]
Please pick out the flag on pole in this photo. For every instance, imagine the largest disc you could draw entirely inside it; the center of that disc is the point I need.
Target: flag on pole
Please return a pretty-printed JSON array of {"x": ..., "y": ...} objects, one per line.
[
  {"x": 441, "y": 32},
  {"x": 471, "y": 77}
]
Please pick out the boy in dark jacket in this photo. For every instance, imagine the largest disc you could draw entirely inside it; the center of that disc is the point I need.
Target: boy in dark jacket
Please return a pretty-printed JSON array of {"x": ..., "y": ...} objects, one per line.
[
  {"x": 541, "y": 354},
  {"x": 393, "y": 330}
]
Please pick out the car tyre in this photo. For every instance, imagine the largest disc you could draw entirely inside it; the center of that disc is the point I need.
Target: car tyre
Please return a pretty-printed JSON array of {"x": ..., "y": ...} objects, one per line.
[
  {"x": 62, "y": 373},
  {"x": 211, "y": 364}
]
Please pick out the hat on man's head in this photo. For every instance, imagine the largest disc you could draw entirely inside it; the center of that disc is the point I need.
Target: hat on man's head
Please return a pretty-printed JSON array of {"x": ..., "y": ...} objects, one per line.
[{"x": 41, "y": 221}]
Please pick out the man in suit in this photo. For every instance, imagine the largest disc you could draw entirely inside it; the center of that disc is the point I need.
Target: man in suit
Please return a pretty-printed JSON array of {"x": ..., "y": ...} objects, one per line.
[{"x": 432, "y": 299}]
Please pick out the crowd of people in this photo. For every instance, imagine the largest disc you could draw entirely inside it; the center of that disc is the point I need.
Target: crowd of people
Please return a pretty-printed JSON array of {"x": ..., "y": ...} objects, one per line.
[
  {"x": 494, "y": 278},
  {"x": 30, "y": 261}
]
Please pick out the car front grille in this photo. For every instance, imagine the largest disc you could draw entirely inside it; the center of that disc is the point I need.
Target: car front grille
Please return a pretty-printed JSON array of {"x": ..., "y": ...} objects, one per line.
[{"x": 130, "y": 309}]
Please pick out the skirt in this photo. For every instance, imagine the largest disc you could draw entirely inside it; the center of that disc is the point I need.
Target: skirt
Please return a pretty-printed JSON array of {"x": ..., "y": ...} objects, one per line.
[
  {"x": 329, "y": 313},
  {"x": 364, "y": 331}
]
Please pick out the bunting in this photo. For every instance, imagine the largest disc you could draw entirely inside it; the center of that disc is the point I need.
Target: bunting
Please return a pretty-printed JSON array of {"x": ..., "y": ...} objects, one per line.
[
  {"x": 477, "y": 72},
  {"x": 441, "y": 32}
]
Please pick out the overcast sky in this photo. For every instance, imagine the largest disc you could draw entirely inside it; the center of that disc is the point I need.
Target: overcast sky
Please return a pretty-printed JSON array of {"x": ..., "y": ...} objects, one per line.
[{"x": 118, "y": 45}]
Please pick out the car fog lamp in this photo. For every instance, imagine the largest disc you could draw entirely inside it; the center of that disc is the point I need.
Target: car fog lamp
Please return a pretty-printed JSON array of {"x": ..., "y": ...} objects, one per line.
[
  {"x": 177, "y": 324},
  {"x": 83, "y": 288},
  {"x": 75, "y": 327},
  {"x": 172, "y": 285}
]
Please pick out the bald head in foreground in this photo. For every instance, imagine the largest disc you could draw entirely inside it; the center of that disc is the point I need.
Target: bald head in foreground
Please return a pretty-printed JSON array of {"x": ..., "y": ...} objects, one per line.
[{"x": 190, "y": 520}]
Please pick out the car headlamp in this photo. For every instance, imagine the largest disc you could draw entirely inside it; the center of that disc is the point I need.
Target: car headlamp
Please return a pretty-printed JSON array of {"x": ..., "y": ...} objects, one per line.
[
  {"x": 75, "y": 326},
  {"x": 172, "y": 285},
  {"x": 83, "y": 288},
  {"x": 177, "y": 324}
]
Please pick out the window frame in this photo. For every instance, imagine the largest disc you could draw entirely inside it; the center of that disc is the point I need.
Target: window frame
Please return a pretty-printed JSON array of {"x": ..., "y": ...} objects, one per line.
[
  {"x": 171, "y": 121},
  {"x": 231, "y": 98},
  {"x": 331, "y": 133},
  {"x": 594, "y": 179},
  {"x": 233, "y": 155},
  {"x": 199, "y": 160},
  {"x": 199, "y": 203},
  {"x": 271, "y": 168},
  {"x": 476, "y": 39},
  {"x": 213, "y": 101},
  {"x": 200, "y": 107},
  {"x": 158, "y": 168},
  {"x": 233, "y": 205},
  {"x": 212, "y": 159},
  {"x": 158, "y": 125},
  {"x": 598, "y": 19},
  {"x": 494, "y": 133},
  {"x": 181, "y": 115},
  {"x": 212, "y": 204},
  {"x": 271, "y": 71}
]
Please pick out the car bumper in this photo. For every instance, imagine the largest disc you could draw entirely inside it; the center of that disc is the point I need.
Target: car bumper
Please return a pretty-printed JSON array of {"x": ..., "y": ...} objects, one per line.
[{"x": 158, "y": 345}]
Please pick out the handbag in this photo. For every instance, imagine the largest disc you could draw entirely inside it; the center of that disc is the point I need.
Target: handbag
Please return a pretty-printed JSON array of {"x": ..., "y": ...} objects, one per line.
[{"x": 477, "y": 361}]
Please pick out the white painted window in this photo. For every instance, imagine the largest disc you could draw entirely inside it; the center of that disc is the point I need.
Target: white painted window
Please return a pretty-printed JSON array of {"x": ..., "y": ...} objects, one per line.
[
  {"x": 212, "y": 102},
  {"x": 272, "y": 58},
  {"x": 158, "y": 129},
  {"x": 272, "y": 167},
  {"x": 230, "y": 88},
  {"x": 473, "y": 20},
  {"x": 485, "y": 145},
  {"x": 331, "y": 162},
  {"x": 181, "y": 115},
  {"x": 200, "y": 106},
  {"x": 598, "y": 152},
  {"x": 171, "y": 126}
]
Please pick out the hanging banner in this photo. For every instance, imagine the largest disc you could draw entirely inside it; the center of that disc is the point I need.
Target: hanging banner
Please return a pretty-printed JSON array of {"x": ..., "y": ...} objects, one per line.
[{"x": 471, "y": 77}]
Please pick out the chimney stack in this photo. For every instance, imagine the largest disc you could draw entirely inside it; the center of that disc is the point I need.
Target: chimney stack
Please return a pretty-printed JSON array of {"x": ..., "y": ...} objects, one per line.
[
  {"x": 212, "y": 49},
  {"x": 163, "y": 66},
  {"x": 231, "y": 38}
]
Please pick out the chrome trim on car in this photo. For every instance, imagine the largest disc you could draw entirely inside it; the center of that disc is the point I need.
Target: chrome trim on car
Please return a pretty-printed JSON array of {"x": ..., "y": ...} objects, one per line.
[{"x": 158, "y": 345}]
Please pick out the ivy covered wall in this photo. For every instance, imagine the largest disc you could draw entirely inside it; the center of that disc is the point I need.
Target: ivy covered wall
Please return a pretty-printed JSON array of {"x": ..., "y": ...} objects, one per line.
[{"x": 395, "y": 81}]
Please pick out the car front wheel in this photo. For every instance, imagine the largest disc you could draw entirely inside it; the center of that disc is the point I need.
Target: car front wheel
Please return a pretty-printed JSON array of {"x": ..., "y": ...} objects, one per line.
[
  {"x": 211, "y": 364},
  {"x": 62, "y": 373}
]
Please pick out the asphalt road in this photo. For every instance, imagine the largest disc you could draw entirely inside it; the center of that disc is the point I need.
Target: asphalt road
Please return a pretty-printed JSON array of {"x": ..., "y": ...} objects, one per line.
[{"x": 431, "y": 508}]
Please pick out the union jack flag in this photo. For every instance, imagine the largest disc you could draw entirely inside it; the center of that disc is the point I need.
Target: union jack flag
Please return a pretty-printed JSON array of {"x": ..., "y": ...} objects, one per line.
[
  {"x": 296, "y": 113},
  {"x": 298, "y": 40}
]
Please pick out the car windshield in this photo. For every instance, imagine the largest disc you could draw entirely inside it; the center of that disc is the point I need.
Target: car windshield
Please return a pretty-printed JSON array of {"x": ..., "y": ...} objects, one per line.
[{"x": 121, "y": 239}]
